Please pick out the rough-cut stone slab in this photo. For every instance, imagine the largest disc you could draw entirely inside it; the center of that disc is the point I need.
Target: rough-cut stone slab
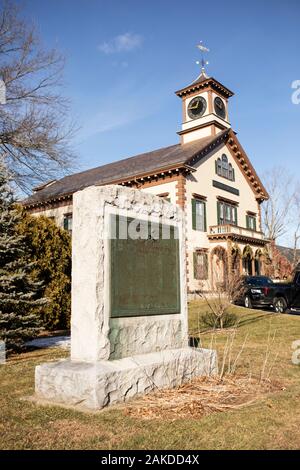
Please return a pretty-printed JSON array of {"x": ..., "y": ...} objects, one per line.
[
  {"x": 96, "y": 385},
  {"x": 95, "y": 335},
  {"x": 114, "y": 359}
]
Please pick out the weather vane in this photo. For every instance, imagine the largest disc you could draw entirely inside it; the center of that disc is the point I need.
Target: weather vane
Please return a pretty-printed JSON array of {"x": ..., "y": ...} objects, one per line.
[{"x": 203, "y": 62}]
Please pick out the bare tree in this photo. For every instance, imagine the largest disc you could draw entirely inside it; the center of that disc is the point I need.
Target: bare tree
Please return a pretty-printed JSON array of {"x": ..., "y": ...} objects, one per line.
[
  {"x": 277, "y": 211},
  {"x": 34, "y": 134},
  {"x": 296, "y": 229}
]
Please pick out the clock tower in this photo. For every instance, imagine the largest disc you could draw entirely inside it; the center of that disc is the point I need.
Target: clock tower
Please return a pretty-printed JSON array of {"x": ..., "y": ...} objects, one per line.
[{"x": 204, "y": 107}]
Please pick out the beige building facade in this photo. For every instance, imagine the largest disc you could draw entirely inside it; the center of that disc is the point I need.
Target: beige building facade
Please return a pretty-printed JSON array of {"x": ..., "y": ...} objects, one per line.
[{"x": 207, "y": 174}]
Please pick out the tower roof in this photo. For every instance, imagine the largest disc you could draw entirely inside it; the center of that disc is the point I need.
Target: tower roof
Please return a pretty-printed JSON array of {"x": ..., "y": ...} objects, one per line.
[{"x": 202, "y": 82}]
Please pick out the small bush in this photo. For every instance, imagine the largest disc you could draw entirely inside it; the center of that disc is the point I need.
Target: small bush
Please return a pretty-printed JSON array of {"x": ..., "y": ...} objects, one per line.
[
  {"x": 226, "y": 321},
  {"x": 50, "y": 249}
]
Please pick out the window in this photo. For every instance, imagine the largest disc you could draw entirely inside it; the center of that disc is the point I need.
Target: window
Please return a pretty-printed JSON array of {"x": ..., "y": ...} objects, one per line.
[
  {"x": 227, "y": 213},
  {"x": 200, "y": 265},
  {"x": 68, "y": 222},
  {"x": 225, "y": 166},
  {"x": 199, "y": 215},
  {"x": 224, "y": 169},
  {"x": 219, "y": 167},
  {"x": 251, "y": 222}
]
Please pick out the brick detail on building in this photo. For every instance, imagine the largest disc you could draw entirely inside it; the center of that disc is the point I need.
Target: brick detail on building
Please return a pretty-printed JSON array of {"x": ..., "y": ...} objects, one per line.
[
  {"x": 259, "y": 215},
  {"x": 181, "y": 201},
  {"x": 181, "y": 191}
]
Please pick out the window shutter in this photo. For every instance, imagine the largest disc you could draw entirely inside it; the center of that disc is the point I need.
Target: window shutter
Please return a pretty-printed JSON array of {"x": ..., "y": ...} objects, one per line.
[
  {"x": 194, "y": 214},
  {"x": 204, "y": 215},
  {"x": 247, "y": 221},
  {"x": 218, "y": 212},
  {"x": 254, "y": 223},
  {"x": 195, "y": 259},
  {"x": 216, "y": 166},
  {"x": 233, "y": 175},
  {"x": 66, "y": 223},
  {"x": 235, "y": 215}
]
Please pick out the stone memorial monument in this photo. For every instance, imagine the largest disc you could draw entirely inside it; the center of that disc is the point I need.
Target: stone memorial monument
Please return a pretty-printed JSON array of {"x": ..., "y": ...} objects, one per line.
[{"x": 129, "y": 332}]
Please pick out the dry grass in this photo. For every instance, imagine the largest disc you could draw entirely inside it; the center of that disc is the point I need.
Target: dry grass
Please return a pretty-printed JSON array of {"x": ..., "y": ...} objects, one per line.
[
  {"x": 202, "y": 396},
  {"x": 271, "y": 422}
]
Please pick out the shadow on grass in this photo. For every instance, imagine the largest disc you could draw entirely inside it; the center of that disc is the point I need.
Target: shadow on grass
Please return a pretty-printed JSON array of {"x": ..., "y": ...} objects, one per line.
[
  {"x": 34, "y": 354},
  {"x": 249, "y": 320},
  {"x": 249, "y": 317}
]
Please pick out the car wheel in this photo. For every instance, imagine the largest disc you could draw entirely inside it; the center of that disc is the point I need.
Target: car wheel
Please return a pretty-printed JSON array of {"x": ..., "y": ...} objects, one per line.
[
  {"x": 280, "y": 305},
  {"x": 247, "y": 302}
]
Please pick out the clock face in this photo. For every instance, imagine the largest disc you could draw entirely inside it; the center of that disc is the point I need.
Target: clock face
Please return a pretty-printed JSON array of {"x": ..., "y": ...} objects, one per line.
[
  {"x": 196, "y": 107},
  {"x": 220, "y": 107}
]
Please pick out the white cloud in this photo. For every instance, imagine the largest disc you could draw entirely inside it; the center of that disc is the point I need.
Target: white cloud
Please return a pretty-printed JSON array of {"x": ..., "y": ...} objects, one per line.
[{"x": 122, "y": 43}]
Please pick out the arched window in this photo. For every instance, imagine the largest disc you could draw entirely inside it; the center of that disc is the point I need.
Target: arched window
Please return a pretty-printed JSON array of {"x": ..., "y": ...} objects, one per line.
[
  {"x": 230, "y": 172},
  {"x": 225, "y": 166},
  {"x": 224, "y": 169},
  {"x": 219, "y": 167}
]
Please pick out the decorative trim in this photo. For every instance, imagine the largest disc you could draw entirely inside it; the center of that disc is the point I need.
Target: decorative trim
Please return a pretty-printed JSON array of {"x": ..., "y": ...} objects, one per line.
[
  {"x": 201, "y": 126},
  {"x": 229, "y": 201},
  {"x": 225, "y": 187},
  {"x": 216, "y": 237},
  {"x": 209, "y": 83},
  {"x": 245, "y": 165},
  {"x": 236, "y": 150},
  {"x": 198, "y": 196},
  {"x": 217, "y": 142},
  {"x": 54, "y": 203}
]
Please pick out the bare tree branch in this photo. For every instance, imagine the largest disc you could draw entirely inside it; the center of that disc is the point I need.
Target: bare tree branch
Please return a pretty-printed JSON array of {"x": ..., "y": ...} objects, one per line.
[
  {"x": 296, "y": 231},
  {"x": 34, "y": 133},
  {"x": 277, "y": 211}
]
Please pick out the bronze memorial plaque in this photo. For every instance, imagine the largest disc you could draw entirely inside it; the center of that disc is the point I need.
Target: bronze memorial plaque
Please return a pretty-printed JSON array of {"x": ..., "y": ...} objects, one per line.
[{"x": 145, "y": 271}]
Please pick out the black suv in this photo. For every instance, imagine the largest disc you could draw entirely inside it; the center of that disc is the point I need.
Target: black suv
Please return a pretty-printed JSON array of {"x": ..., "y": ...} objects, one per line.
[
  {"x": 256, "y": 291},
  {"x": 261, "y": 291}
]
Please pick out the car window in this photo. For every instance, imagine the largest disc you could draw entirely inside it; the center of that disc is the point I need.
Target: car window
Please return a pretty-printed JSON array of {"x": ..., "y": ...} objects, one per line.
[
  {"x": 259, "y": 281},
  {"x": 255, "y": 281},
  {"x": 252, "y": 281}
]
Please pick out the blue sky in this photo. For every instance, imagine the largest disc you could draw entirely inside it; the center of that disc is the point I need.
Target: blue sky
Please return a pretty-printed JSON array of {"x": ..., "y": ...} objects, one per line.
[{"x": 126, "y": 58}]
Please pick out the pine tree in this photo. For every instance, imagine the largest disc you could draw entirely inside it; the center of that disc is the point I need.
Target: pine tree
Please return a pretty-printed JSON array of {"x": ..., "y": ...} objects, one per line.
[{"x": 20, "y": 298}]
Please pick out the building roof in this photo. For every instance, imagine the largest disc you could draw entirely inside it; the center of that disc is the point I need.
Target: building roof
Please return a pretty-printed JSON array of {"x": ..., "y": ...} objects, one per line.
[
  {"x": 151, "y": 164},
  {"x": 122, "y": 170}
]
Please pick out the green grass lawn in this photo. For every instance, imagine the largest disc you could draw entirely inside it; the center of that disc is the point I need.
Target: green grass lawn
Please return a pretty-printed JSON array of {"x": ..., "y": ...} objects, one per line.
[{"x": 270, "y": 423}]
